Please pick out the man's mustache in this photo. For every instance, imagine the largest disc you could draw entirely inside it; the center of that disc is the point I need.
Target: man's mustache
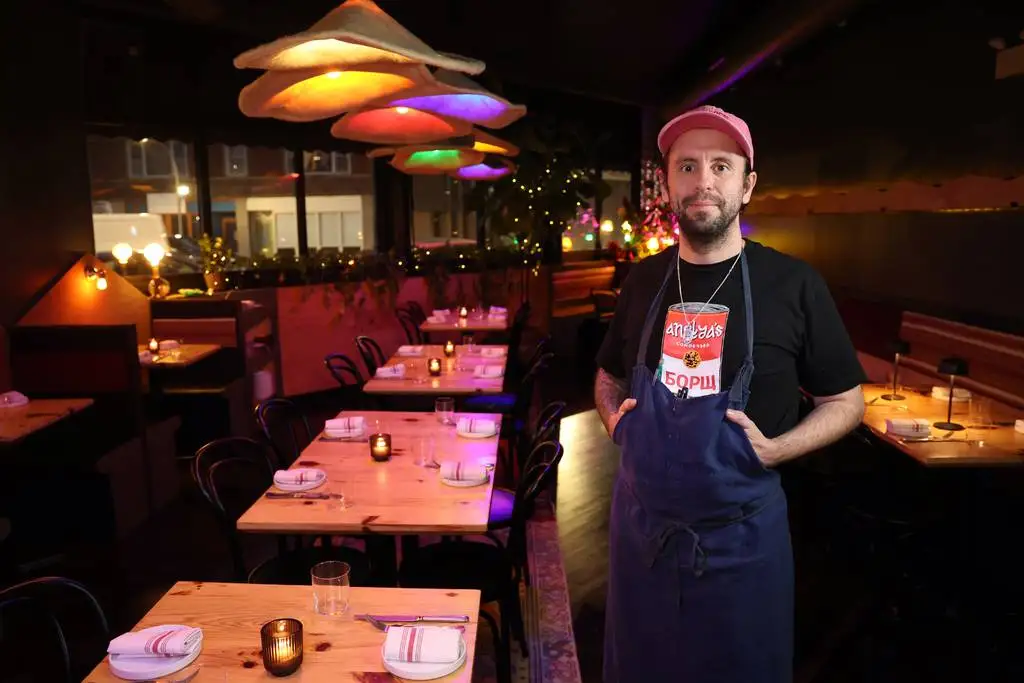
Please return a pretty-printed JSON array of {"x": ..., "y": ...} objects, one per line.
[{"x": 703, "y": 199}]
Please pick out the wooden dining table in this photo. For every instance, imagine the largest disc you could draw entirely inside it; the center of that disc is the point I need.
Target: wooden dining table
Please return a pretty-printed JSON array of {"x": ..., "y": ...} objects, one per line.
[
  {"x": 335, "y": 649},
  {"x": 457, "y": 374},
  {"x": 18, "y": 422},
  {"x": 394, "y": 497},
  {"x": 474, "y": 322},
  {"x": 181, "y": 357},
  {"x": 989, "y": 439}
]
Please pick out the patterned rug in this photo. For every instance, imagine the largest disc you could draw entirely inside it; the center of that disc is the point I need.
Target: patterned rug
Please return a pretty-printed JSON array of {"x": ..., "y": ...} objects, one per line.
[{"x": 546, "y": 614}]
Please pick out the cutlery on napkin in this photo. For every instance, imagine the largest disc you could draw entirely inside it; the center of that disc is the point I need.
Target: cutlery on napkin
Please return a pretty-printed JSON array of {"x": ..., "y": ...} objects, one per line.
[
  {"x": 174, "y": 642},
  {"x": 460, "y": 471},
  {"x": 299, "y": 477},
  {"x": 406, "y": 350},
  {"x": 908, "y": 426},
  {"x": 476, "y": 425},
  {"x": 396, "y": 371},
  {"x": 426, "y": 644},
  {"x": 345, "y": 427},
  {"x": 488, "y": 371},
  {"x": 416, "y": 619}
]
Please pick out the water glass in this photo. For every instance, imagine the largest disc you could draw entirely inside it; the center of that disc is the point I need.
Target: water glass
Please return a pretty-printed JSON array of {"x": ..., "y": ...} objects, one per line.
[
  {"x": 426, "y": 454},
  {"x": 444, "y": 408},
  {"x": 467, "y": 341},
  {"x": 330, "y": 588}
]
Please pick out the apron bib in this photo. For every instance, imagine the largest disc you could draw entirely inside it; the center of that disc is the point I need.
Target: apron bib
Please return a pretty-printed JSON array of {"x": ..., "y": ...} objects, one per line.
[{"x": 700, "y": 585}]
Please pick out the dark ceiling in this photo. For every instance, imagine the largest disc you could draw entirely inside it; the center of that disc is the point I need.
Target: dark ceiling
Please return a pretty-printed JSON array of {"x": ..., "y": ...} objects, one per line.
[{"x": 639, "y": 52}]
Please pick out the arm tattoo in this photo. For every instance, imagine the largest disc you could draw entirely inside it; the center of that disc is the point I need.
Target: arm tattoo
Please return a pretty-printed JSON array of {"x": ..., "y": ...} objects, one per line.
[{"x": 609, "y": 393}]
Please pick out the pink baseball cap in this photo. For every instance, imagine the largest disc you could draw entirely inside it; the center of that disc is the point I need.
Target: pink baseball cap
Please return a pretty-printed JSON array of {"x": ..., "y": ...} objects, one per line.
[{"x": 708, "y": 117}]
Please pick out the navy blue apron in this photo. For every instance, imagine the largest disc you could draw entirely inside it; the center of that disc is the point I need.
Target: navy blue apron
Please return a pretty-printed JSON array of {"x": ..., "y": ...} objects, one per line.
[{"x": 700, "y": 585}]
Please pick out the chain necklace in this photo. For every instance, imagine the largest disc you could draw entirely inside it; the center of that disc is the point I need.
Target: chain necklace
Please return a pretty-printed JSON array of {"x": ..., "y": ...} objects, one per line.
[{"x": 690, "y": 326}]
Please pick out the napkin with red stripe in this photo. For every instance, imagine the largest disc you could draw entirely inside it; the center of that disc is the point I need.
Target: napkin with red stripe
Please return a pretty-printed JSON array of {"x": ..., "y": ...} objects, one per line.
[
  {"x": 461, "y": 471},
  {"x": 427, "y": 644},
  {"x": 174, "y": 642},
  {"x": 301, "y": 476}
]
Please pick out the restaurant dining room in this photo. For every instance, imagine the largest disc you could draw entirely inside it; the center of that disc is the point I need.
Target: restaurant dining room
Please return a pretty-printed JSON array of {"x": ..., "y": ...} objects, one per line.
[{"x": 562, "y": 341}]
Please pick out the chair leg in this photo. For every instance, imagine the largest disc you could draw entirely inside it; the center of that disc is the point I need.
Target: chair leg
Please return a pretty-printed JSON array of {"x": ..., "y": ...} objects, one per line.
[
  {"x": 503, "y": 662},
  {"x": 515, "y": 618}
]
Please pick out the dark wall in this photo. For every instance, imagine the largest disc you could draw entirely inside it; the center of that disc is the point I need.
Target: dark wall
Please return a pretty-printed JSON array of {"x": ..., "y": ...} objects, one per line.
[
  {"x": 44, "y": 178},
  {"x": 904, "y": 92}
]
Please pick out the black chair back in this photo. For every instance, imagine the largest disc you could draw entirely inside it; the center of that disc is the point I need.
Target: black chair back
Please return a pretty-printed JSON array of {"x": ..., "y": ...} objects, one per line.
[
  {"x": 285, "y": 428},
  {"x": 51, "y": 629},
  {"x": 343, "y": 369},
  {"x": 232, "y": 473},
  {"x": 538, "y": 471},
  {"x": 371, "y": 352},
  {"x": 410, "y": 327},
  {"x": 416, "y": 311}
]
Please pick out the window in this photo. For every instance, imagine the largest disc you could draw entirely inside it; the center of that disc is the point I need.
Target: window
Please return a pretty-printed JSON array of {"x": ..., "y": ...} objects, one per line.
[
  {"x": 148, "y": 158},
  {"x": 341, "y": 230},
  {"x": 236, "y": 161},
  {"x": 321, "y": 163}
]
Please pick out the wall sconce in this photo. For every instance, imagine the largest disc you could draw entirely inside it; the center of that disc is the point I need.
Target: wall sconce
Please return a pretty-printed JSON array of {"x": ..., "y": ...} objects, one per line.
[
  {"x": 97, "y": 275},
  {"x": 158, "y": 286}
]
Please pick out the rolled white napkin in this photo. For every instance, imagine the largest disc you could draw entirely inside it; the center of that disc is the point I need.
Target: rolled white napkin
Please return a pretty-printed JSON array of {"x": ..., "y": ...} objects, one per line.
[
  {"x": 301, "y": 476},
  {"x": 908, "y": 426},
  {"x": 168, "y": 344},
  {"x": 341, "y": 427},
  {"x": 13, "y": 399},
  {"x": 407, "y": 350},
  {"x": 396, "y": 371},
  {"x": 497, "y": 311},
  {"x": 174, "y": 642},
  {"x": 462, "y": 471},
  {"x": 476, "y": 425},
  {"x": 959, "y": 394},
  {"x": 488, "y": 371},
  {"x": 492, "y": 352},
  {"x": 440, "y": 313},
  {"x": 427, "y": 644}
]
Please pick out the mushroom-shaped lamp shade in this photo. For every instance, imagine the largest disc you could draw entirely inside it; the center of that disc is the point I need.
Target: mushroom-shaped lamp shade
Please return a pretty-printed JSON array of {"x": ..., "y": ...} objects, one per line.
[
  {"x": 303, "y": 95},
  {"x": 398, "y": 125},
  {"x": 491, "y": 168},
  {"x": 356, "y": 33},
  {"x": 455, "y": 95},
  {"x": 435, "y": 161}
]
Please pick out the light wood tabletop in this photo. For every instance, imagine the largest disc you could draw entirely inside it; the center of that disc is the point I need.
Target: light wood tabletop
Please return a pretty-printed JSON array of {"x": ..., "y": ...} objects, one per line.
[
  {"x": 457, "y": 374},
  {"x": 393, "y": 497},
  {"x": 988, "y": 441},
  {"x": 474, "y": 322},
  {"x": 181, "y": 357},
  {"x": 17, "y": 422},
  {"x": 335, "y": 649}
]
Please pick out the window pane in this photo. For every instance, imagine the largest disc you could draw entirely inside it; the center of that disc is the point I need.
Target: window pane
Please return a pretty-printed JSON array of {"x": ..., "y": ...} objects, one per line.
[
  {"x": 341, "y": 201},
  {"x": 316, "y": 162},
  {"x": 138, "y": 199},
  {"x": 439, "y": 215},
  {"x": 313, "y": 230},
  {"x": 330, "y": 228},
  {"x": 287, "y": 231},
  {"x": 246, "y": 204}
]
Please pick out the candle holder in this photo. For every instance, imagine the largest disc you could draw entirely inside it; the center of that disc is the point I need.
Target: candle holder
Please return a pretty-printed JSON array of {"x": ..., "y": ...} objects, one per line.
[
  {"x": 434, "y": 367},
  {"x": 282, "y": 646},
  {"x": 380, "y": 447},
  {"x": 154, "y": 346},
  {"x": 463, "y": 313},
  {"x": 449, "y": 349}
]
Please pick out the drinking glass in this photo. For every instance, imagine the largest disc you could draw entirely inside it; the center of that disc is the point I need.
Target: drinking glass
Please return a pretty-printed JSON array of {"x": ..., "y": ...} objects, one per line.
[
  {"x": 444, "y": 408},
  {"x": 330, "y": 588},
  {"x": 426, "y": 454},
  {"x": 467, "y": 341}
]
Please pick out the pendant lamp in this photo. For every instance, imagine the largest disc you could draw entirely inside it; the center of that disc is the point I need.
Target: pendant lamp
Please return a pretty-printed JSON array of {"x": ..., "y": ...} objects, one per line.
[
  {"x": 477, "y": 141},
  {"x": 435, "y": 161},
  {"x": 356, "y": 33},
  {"x": 302, "y": 95},
  {"x": 398, "y": 126},
  {"x": 452, "y": 94},
  {"x": 491, "y": 168}
]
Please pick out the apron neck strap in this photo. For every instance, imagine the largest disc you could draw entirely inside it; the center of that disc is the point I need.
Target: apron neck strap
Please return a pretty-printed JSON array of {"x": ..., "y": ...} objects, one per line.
[{"x": 652, "y": 313}]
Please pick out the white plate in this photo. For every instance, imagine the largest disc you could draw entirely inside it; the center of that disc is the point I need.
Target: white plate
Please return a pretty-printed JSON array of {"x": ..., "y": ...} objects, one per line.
[
  {"x": 464, "y": 484},
  {"x": 309, "y": 485},
  {"x": 421, "y": 671},
  {"x": 477, "y": 435},
  {"x": 133, "y": 668}
]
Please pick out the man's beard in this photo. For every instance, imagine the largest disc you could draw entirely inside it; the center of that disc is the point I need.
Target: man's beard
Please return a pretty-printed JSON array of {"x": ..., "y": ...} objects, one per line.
[{"x": 708, "y": 227}]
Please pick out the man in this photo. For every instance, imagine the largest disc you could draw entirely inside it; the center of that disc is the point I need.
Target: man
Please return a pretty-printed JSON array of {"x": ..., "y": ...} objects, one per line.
[{"x": 699, "y": 383}]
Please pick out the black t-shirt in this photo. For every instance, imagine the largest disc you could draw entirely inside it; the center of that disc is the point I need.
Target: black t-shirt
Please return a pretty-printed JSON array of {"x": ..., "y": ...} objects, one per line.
[{"x": 799, "y": 338}]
